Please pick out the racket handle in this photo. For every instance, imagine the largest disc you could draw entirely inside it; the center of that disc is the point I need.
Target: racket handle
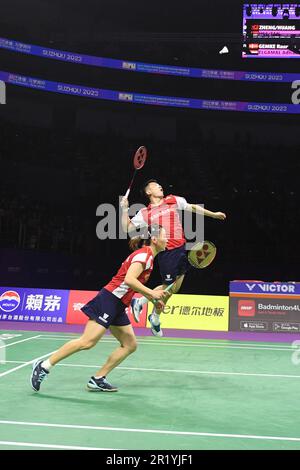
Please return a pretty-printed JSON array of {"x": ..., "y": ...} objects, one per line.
[
  {"x": 127, "y": 193},
  {"x": 165, "y": 290},
  {"x": 169, "y": 287}
]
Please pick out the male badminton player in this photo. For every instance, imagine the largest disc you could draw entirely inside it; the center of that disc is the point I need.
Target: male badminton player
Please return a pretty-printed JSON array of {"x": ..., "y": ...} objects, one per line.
[
  {"x": 107, "y": 311},
  {"x": 173, "y": 263}
]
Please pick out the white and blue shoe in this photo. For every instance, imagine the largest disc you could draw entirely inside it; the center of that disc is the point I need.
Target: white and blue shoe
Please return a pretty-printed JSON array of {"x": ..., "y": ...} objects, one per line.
[
  {"x": 100, "y": 385},
  {"x": 155, "y": 325},
  {"x": 136, "y": 309},
  {"x": 38, "y": 375}
]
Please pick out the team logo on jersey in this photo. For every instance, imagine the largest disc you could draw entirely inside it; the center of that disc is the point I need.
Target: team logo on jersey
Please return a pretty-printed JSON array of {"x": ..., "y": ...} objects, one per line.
[
  {"x": 104, "y": 317},
  {"x": 9, "y": 301}
]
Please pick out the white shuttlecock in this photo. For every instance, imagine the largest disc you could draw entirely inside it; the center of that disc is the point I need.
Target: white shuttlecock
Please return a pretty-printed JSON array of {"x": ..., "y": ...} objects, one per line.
[{"x": 224, "y": 50}]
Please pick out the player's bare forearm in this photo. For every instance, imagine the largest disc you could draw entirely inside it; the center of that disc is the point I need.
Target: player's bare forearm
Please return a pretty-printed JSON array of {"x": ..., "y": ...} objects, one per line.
[
  {"x": 207, "y": 213},
  {"x": 137, "y": 286},
  {"x": 125, "y": 221}
]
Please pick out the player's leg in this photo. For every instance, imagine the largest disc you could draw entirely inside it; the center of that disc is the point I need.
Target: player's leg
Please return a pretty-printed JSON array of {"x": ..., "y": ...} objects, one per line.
[
  {"x": 126, "y": 337},
  {"x": 93, "y": 332},
  {"x": 128, "y": 344},
  {"x": 154, "y": 317},
  {"x": 122, "y": 330},
  {"x": 173, "y": 265},
  {"x": 91, "y": 335}
]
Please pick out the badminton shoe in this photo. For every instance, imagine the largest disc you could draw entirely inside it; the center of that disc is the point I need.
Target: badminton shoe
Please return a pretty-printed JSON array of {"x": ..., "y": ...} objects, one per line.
[
  {"x": 136, "y": 309},
  {"x": 38, "y": 375},
  {"x": 100, "y": 385},
  {"x": 155, "y": 325}
]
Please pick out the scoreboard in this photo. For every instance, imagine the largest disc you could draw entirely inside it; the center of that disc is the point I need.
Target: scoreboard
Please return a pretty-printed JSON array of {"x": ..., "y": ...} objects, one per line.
[{"x": 271, "y": 31}]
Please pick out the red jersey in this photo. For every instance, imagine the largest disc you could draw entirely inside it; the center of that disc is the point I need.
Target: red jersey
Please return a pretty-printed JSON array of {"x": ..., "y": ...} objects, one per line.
[
  {"x": 166, "y": 215},
  {"x": 117, "y": 285}
]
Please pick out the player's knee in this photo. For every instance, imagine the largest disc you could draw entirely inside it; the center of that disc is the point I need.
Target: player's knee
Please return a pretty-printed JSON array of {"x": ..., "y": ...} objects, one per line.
[
  {"x": 131, "y": 347},
  {"x": 86, "y": 343}
]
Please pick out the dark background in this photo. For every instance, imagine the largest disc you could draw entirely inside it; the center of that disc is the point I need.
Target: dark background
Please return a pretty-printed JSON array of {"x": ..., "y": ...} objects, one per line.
[{"x": 62, "y": 156}]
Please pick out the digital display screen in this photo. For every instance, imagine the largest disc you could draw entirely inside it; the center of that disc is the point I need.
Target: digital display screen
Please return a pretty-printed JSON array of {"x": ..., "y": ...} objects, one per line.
[{"x": 271, "y": 31}]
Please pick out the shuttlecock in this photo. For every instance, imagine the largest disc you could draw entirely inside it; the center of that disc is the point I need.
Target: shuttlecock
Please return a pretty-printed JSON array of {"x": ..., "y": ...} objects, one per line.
[{"x": 224, "y": 50}]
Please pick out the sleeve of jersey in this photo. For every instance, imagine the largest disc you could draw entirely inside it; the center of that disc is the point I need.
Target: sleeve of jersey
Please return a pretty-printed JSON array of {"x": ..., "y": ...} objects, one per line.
[
  {"x": 181, "y": 203},
  {"x": 138, "y": 220},
  {"x": 140, "y": 258}
]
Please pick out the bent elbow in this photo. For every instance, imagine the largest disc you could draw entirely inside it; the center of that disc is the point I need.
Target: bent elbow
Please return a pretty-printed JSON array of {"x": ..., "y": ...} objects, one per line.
[{"x": 128, "y": 281}]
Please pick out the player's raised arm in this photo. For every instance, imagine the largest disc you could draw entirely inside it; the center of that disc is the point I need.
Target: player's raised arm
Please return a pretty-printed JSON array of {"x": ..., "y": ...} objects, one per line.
[
  {"x": 200, "y": 210},
  {"x": 127, "y": 225}
]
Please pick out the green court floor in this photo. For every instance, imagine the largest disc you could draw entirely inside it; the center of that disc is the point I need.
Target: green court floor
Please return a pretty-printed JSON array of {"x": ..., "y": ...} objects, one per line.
[{"x": 173, "y": 394}]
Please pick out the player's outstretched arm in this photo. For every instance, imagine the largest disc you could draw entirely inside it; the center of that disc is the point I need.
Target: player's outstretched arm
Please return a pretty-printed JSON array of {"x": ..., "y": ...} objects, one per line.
[{"x": 200, "y": 210}]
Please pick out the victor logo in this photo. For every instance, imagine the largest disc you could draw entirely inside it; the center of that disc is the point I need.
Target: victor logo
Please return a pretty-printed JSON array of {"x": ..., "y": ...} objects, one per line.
[{"x": 250, "y": 286}]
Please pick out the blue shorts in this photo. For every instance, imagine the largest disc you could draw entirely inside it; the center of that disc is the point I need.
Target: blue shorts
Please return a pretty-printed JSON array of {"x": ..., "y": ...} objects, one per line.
[
  {"x": 173, "y": 263},
  {"x": 106, "y": 309}
]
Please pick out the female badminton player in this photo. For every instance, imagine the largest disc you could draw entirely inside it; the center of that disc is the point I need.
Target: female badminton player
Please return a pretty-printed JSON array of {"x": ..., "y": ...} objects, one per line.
[{"x": 107, "y": 311}]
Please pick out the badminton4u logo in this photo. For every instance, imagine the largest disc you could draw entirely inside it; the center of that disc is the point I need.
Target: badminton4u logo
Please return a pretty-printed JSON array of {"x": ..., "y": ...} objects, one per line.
[
  {"x": 2, "y": 93},
  {"x": 296, "y": 353},
  {"x": 296, "y": 93}
]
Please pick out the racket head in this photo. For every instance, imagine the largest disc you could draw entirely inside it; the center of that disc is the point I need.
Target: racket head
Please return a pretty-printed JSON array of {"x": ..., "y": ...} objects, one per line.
[
  {"x": 202, "y": 254},
  {"x": 140, "y": 157}
]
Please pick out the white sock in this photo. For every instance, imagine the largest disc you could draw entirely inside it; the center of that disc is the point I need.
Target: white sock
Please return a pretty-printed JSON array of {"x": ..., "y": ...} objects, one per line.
[
  {"x": 143, "y": 300},
  {"x": 46, "y": 365},
  {"x": 99, "y": 376},
  {"x": 155, "y": 318}
]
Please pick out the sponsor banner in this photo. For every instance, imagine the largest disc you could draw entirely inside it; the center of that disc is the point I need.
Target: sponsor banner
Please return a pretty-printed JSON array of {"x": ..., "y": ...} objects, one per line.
[
  {"x": 188, "y": 312},
  {"x": 146, "y": 99},
  {"x": 33, "y": 305},
  {"x": 158, "y": 69},
  {"x": 196, "y": 312},
  {"x": 260, "y": 287},
  {"x": 278, "y": 310},
  {"x": 77, "y": 299}
]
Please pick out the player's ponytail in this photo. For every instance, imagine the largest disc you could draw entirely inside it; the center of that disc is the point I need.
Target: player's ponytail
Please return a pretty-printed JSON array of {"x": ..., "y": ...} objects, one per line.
[{"x": 135, "y": 243}]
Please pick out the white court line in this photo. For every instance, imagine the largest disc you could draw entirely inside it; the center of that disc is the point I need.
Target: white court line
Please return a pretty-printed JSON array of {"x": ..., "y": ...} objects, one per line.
[
  {"x": 152, "y": 431},
  {"x": 181, "y": 343},
  {"x": 194, "y": 341},
  {"x": 50, "y": 446},
  {"x": 21, "y": 341},
  {"x": 179, "y": 371},
  {"x": 26, "y": 364}
]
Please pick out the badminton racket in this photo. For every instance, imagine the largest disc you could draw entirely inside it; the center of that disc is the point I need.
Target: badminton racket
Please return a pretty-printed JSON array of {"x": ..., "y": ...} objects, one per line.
[
  {"x": 202, "y": 254},
  {"x": 139, "y": 160}
]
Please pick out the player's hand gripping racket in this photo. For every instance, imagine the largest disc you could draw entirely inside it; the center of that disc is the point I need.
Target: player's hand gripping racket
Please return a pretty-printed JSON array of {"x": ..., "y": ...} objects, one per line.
[
  {"x": 137, "y": 304},
  {"x": 167, "y": 289},
  {"x": 202, "y": 254},
  {"x": 139, "y": 160}
]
